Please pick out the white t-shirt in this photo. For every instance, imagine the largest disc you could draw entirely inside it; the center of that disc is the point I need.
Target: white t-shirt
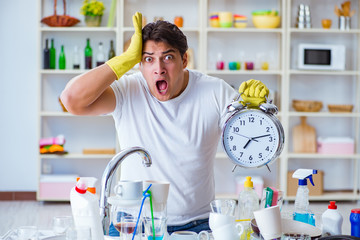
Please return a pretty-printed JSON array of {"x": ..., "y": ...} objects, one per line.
[{"x": 181, "y": 135}]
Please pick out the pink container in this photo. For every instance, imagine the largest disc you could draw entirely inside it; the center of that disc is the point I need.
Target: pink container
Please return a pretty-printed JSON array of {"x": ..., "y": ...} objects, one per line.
[
  {"x": 56, "y": 187},
  {"x": 335, "y": 145}
]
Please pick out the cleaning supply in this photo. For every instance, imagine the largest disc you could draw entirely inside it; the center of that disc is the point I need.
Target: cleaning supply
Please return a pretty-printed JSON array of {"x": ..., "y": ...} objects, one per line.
[
  {"x": 248, "y": 202},
  {"x": 91, "y": 182},
  {"x": 302, "y": 212},
  {"x": 355, "y": 222},
  {"x": 331, "y": 220},
  {"x": 85, "y": 209},
  {"x": 271, "y": 198}
]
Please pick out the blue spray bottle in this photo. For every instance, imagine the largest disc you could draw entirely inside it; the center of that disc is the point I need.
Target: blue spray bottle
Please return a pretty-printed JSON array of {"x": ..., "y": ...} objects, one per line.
[{"x": 302, "y": 212}]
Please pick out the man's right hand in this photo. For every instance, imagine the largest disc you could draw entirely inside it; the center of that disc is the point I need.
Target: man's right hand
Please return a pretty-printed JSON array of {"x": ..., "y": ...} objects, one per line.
[{"x": 123, "y": 63}]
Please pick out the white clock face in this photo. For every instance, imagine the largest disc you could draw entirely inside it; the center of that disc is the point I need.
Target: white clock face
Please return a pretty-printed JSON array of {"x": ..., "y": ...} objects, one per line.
[{"x": 251, "y": 138}]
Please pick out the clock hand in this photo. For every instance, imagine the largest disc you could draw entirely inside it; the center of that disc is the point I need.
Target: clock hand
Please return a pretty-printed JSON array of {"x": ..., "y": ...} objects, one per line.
[
  {"x": 247, "y": 143},
  {"x": 260, "y": 136},
  {"x": 246, "y": 137}
]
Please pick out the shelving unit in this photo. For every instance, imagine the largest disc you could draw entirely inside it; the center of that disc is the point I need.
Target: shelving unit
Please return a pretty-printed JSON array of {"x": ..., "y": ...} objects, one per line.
[{"x": 283, "y": 78}]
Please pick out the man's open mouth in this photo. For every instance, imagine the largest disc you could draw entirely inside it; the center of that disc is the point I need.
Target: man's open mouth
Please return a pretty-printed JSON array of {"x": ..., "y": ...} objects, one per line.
[{"x": 162, "y": 86}]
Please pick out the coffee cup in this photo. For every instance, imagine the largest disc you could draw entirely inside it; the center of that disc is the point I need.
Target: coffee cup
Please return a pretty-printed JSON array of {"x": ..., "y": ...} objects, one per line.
[
  {"x": 129, "y": 190},
  {"x": 159, "y": 192},
  {"x": 269, "y": 222},
  {"x": 217, "y": 220},
  {"x": 228, "y": 232}
]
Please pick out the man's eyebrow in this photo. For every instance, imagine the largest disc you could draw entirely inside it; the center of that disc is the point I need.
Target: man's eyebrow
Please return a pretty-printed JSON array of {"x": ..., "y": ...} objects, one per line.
[{"x": 168, "y": 51}]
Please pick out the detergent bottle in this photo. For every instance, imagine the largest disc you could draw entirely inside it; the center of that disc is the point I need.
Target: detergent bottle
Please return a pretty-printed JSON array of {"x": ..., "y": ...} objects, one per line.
[
  {"x": 85, "y": 209},
  {"x": 331, "y": 220},
  {"x": 302, "y": 212},
  {"x": 248, "y": 202}
]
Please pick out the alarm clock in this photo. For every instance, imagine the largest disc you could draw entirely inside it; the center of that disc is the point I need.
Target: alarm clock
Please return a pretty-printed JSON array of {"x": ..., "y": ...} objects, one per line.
[{"x": 252, "y": 137}]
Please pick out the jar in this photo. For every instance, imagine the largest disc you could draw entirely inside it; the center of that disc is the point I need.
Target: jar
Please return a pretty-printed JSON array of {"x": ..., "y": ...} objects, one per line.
[
  {"x": 355, "y": 222},
  {"x": 179, "y": 21}
]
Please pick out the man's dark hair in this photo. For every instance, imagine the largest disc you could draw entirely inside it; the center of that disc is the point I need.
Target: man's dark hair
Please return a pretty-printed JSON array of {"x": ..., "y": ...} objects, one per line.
[{"x": 164, "y": 31}]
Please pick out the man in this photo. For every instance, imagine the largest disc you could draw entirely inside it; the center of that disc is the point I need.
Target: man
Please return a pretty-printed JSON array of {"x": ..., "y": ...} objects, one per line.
[{"x": 174, "y": 113}]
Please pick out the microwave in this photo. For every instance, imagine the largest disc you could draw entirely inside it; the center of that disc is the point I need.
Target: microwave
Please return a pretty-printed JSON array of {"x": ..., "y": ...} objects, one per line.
[{"x": 321, "y": 56}]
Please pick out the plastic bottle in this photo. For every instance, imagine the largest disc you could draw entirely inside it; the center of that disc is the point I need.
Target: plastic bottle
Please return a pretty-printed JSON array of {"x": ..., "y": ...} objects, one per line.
[
  {"x": 85, "y": 209},
  {"x": 248, "y": 202},
  {"x": 100, "y": 56},
  {"x": 332, "y": 220},
  {"x": 76, "y": 58},
  {"x": 355, "y": 222},
  {"x": 302, "y": 212}
]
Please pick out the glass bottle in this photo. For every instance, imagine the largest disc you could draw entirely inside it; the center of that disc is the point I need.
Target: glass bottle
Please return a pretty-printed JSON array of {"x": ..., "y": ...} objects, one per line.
[
  {"x": 46, "y": 56},
  {"x": 100, "y": 55},
  {"x": 112, "y": 50},
  {"x": 62, "y": 60},
  {"x": 52, "y": 55},
  {"x": 88, "y": 55},
  {"x": 76, "y": 58}
]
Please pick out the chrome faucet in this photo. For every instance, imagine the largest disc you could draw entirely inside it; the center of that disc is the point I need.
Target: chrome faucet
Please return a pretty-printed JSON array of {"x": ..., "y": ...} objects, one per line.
[{"x": 107, "y": 178}]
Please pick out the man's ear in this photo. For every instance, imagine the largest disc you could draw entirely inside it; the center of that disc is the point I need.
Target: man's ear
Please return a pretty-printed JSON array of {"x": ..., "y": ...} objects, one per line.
[{"x": 185, "y": 60}]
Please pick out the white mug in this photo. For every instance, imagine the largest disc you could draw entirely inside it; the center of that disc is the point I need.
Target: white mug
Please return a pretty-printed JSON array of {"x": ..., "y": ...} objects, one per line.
[
  {"x": 189, "y": 235},
  {"x": 129, "y": 190},
  {"x": 228, "y": 232},
  {"x": 159, "y": 191},
  {"x": 217, "y": 220}
]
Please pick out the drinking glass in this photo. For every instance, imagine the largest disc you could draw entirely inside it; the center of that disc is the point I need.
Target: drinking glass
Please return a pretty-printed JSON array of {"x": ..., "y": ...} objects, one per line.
[
  {"x": 61, "y": 224},
  {"x": 223, "y": 206},
  {"x": 27, "y": 233},
  {"x": 126, "y": 224},
  {"x": 156, "y": 226}
]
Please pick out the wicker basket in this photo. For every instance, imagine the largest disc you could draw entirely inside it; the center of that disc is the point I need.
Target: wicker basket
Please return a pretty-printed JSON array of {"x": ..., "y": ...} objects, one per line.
[
  {"x": 340, "y": 108},
  {"x": 60, "y": 20},
  {"x": 307, "y": 106}
]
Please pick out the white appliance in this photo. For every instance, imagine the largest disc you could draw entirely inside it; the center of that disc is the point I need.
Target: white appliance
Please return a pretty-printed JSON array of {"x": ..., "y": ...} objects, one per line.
[{"x": 321, "y": 56}]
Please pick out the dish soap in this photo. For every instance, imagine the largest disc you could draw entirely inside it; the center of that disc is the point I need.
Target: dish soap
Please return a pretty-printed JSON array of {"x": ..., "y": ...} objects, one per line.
[
  {"x": 331, "y": 220},
  {"x": 302, "y": 212},
  {"x": 85, "y": 209},
  {"x": 248, "y": 202}
]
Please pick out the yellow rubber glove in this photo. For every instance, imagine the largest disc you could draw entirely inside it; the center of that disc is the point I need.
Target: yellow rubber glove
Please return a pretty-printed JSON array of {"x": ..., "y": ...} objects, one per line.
[
  {"x": 123, "y": 63},
  {"x": 253, "y": 92}
]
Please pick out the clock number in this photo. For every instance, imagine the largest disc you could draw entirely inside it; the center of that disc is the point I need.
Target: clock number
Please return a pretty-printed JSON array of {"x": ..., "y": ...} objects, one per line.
[
  {"x": 267, "y": 129},
  {"x": 251, "y": 119},
  {"x": 267, "y": 148},
  {"x": 270, "y": 139},
  {"x": 236, "y": 129},
  {"x": 234, "y": 148},
  {"x": 242, "y": 122},
  {"x": 260, "y": 121},
  {"x": 231, "y": 138},
  {"x": 260, "y": 155},
  {"x": 241, "y": 154},
  {"x": 250, "y": 158}
]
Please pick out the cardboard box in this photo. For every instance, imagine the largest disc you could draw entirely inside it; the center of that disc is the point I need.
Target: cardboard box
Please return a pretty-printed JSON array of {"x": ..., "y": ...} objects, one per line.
[{"x": 292, "y": 184}]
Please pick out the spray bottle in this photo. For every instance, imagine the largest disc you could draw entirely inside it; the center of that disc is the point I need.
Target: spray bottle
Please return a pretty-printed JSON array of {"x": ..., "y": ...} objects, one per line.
[
  {"x": 85, "y": 209},
  {"x": 248, "y": 203},
  {"x": 302, "y": 212}
]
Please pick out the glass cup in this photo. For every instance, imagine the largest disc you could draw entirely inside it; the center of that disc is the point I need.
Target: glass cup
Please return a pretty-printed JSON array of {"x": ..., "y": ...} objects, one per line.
[
  {"x": 223, "y": 206},
  {"x": 62, "y": 223},
  {"x": 268, "y": 197},
  {"x": 155, "y": 227},
  {"x": 126, "y": 226},
  {"x": 78, "y": 233},
  {"x": 27, "y": 233}
]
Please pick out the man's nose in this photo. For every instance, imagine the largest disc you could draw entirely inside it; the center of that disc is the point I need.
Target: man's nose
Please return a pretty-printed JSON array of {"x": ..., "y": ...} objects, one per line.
[{"x": 159, "y": 68}]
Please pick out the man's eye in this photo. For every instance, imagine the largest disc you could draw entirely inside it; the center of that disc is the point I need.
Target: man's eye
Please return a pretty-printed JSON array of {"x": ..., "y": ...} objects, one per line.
[
  {"x": 168, "y": 57},
  {"x": 148, "y": 59}
]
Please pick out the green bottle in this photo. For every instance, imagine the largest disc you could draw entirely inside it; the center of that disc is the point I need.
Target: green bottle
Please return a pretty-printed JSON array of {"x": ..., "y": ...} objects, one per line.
[
  {"x": 52, "y": 55},
  {"x": 62, "y": 60},
  {"x": 88, "y": 55},
  {"x": 112, "y": 50}
]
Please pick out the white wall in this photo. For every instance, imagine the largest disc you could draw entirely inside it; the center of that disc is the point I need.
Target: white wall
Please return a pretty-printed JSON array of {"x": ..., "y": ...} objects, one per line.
[{"x": 18, "y": 95}]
